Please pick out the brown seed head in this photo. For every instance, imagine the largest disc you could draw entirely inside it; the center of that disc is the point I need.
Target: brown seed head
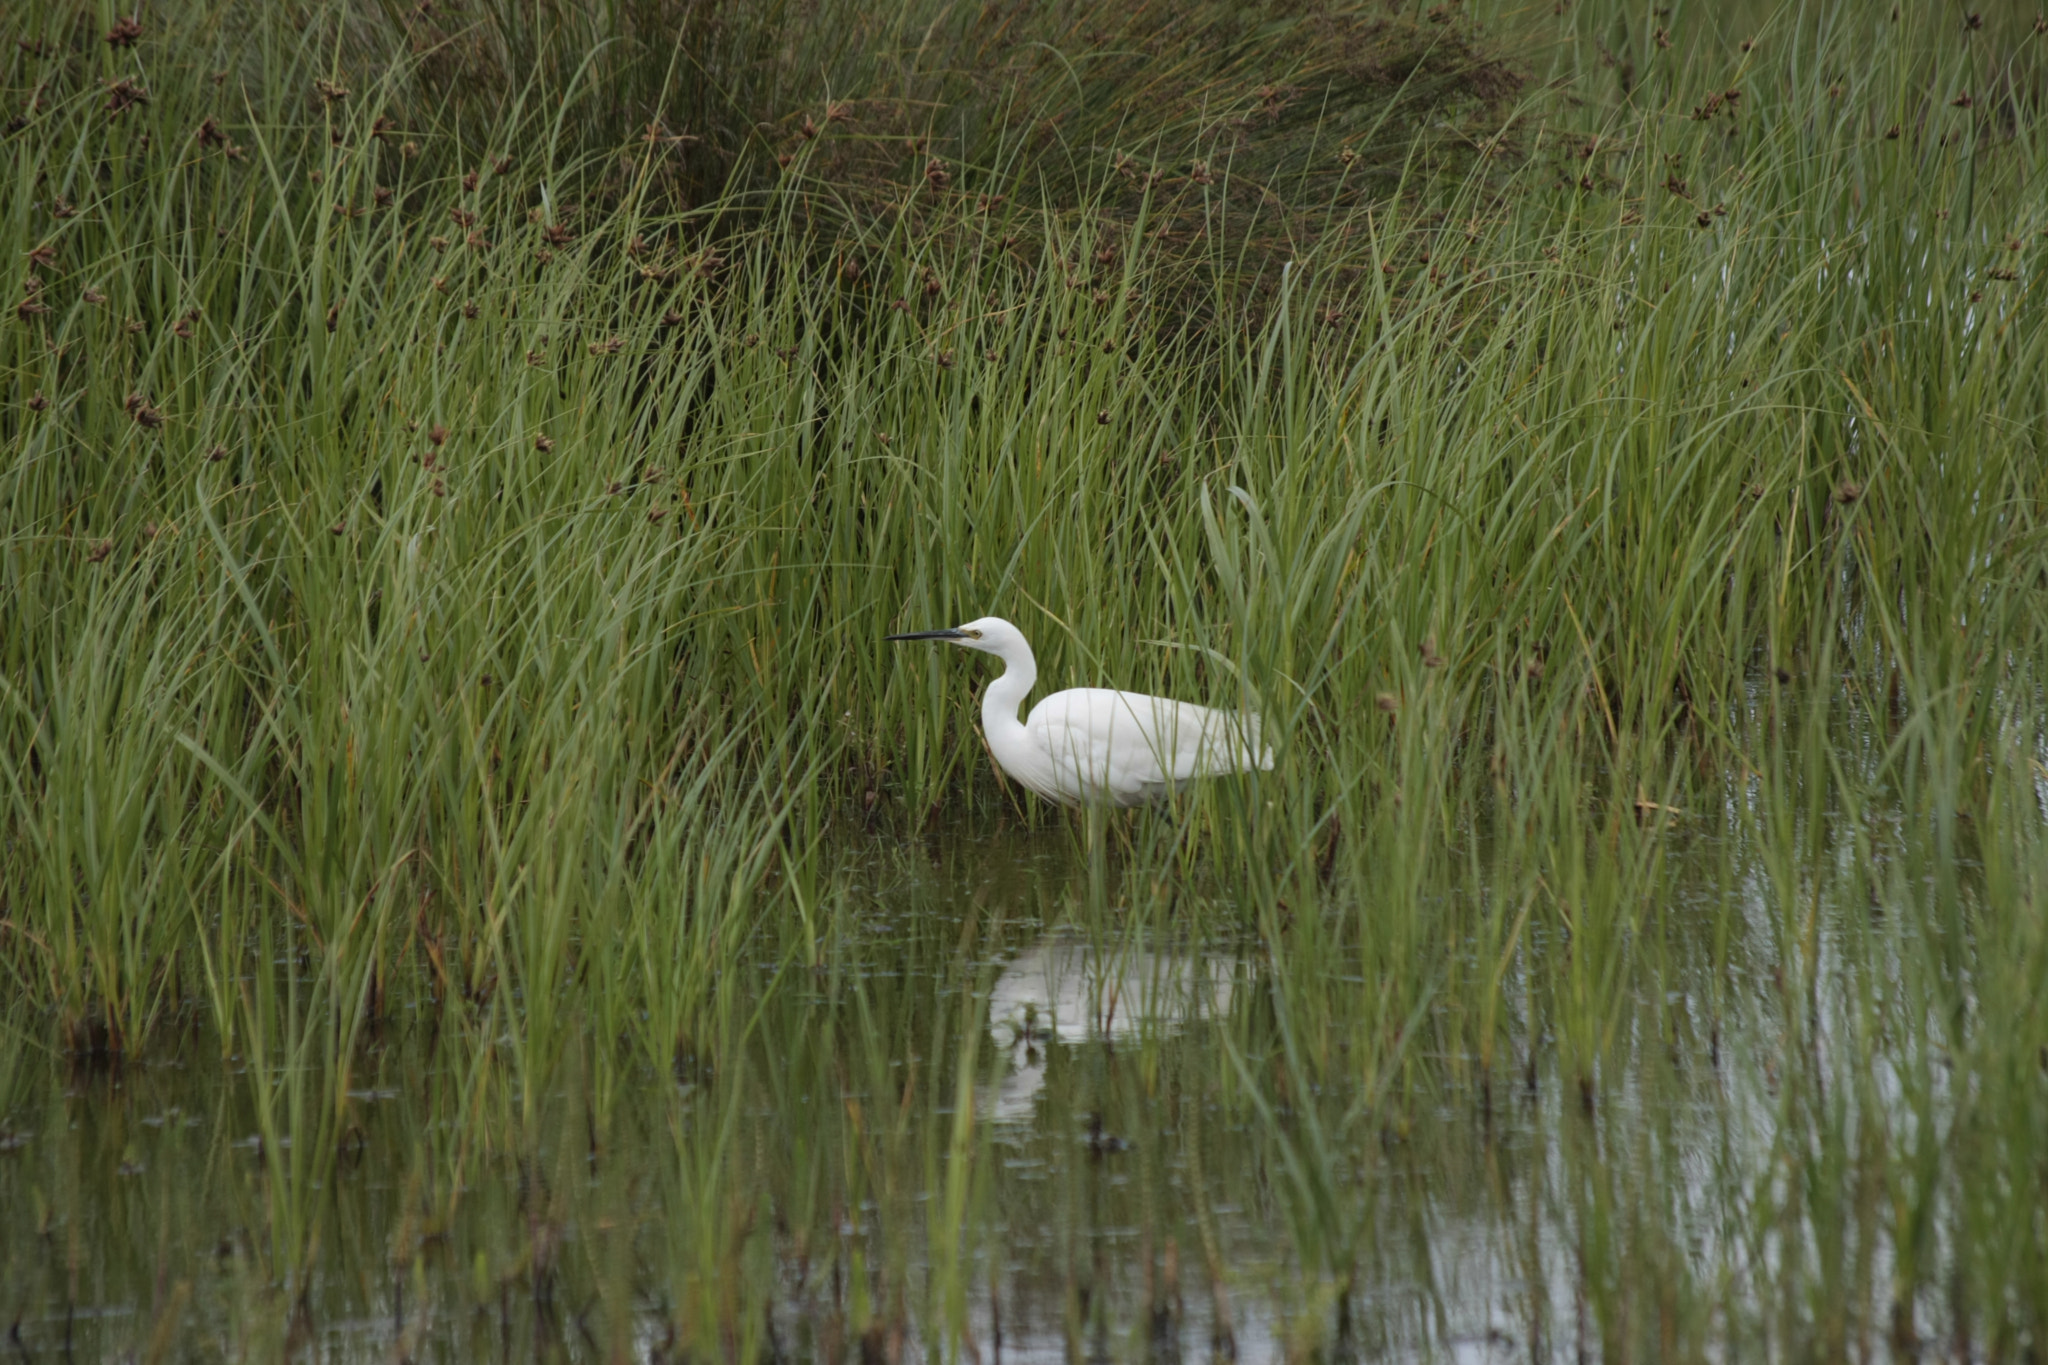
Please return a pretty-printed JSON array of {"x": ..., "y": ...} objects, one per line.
[
  {"x": 37, "y": 402},
  {"x": 125, "y": 32},
  {"x": 333, "y": 92},
  {"x": 99, "y": 552},
  {"x": 217, "y": 454},
  {"x": 1386, "y": 702},
  {"x": 1102, "y": 418},
  {"x": 469, "y": 183},
  {"x": 1962, "y": 101},
  {"x": 123, "y": 95},
  {"x": 1848, "y": 493},
  {"x": 543, "y": 442},
  {"x": 437, "y": 434},
  {"x": 144, "y": 415}
]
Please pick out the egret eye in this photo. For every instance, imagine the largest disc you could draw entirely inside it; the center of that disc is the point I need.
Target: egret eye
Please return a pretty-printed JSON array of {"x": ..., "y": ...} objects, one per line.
[{"x": 974, "y": 635}]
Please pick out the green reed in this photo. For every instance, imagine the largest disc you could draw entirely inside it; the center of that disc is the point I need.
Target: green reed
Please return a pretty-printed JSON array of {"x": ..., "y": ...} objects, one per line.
[{"x": 447, "y": 551}]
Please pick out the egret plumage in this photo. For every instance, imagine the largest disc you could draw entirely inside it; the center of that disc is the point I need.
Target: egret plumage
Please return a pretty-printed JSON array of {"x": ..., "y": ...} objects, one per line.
[{"x": 1091, "y": 744}]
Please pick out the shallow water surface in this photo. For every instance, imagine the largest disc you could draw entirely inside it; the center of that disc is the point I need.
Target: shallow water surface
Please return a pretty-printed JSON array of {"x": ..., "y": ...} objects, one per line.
[{"x": 1028, "y": 1107}]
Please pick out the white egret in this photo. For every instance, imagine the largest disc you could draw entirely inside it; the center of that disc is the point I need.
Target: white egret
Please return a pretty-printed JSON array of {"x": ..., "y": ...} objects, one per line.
[{"x": 1092, "y": 744}]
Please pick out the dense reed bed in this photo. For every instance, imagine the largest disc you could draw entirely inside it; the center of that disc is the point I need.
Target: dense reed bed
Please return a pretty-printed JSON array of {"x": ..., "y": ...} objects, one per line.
[{"x": 457, "y": 475}]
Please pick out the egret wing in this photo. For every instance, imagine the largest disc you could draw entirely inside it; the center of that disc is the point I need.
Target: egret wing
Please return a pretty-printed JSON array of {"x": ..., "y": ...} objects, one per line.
[{"x": 1130, "y": 748}]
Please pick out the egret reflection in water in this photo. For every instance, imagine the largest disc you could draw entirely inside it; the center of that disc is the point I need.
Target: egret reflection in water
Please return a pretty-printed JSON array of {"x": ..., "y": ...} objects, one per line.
[{"x": 1066, "y": 991}]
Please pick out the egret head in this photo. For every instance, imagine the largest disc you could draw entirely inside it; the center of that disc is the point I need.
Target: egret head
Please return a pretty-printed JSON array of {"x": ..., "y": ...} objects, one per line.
[{"x": 990, "y": 635}]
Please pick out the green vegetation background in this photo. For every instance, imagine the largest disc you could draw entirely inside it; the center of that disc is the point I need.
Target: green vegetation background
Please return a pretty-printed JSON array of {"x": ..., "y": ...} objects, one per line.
[{"x": 458, "y": 463}]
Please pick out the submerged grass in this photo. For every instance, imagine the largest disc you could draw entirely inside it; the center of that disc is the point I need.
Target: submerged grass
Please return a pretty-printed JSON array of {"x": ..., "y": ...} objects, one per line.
[{"x": 446, "y": 553}]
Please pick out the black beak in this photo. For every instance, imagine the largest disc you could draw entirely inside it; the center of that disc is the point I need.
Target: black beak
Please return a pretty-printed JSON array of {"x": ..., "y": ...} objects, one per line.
[{"x": 930, "y": 635}]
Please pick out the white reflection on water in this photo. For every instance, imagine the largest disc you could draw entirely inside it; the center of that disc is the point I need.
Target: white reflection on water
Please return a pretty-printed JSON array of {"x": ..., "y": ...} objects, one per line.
[{"x": 1065, "y": 991}]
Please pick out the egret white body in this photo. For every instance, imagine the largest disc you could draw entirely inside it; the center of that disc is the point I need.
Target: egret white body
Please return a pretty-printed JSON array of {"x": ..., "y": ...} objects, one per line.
[{"x": 1091, "y": 744}]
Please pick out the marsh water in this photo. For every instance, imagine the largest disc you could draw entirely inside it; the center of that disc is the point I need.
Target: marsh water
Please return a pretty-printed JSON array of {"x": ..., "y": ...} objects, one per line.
[{"x": 1018, "y": 1111}]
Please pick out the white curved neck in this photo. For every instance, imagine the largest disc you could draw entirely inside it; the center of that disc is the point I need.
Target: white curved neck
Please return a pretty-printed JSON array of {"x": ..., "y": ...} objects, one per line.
[{"x": 1000, "y": 700}]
